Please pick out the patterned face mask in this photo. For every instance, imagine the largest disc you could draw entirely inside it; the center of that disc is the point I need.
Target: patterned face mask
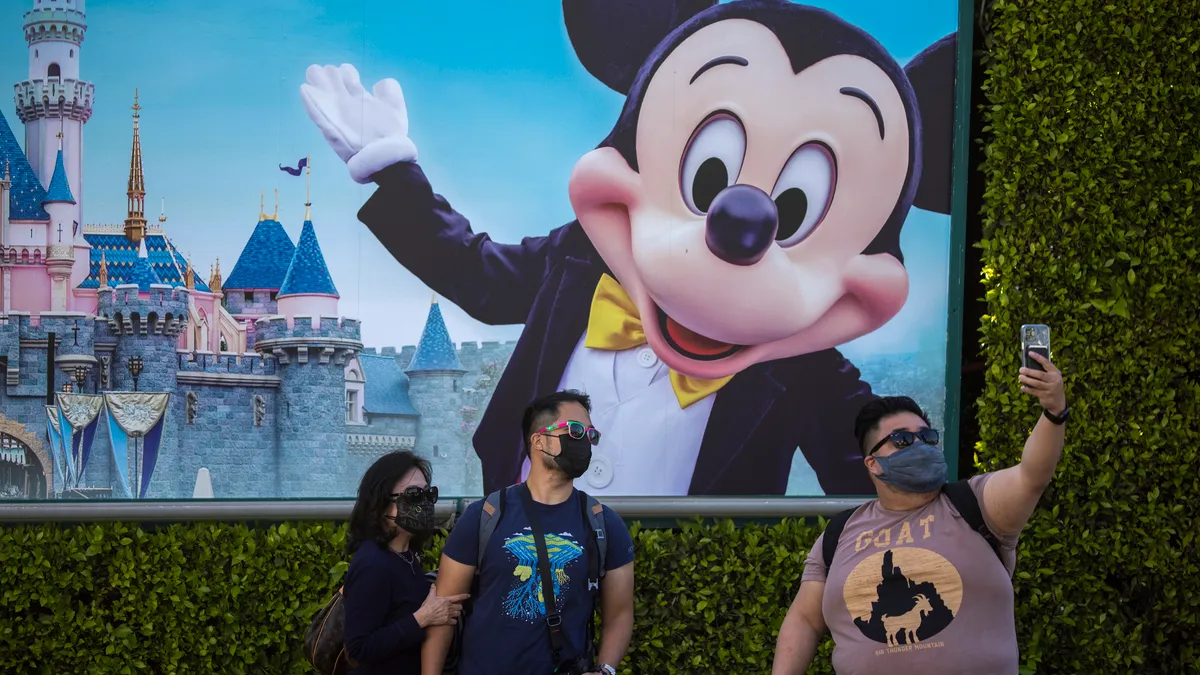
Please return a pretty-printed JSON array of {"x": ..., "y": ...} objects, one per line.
[{"x": 414, "y": 509}]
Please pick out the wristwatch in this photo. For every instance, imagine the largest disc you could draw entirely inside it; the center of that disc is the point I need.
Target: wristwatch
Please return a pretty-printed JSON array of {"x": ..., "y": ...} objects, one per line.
[
  {"x": 608, "y": 669},
  {"x": 1060, "y": 418}
]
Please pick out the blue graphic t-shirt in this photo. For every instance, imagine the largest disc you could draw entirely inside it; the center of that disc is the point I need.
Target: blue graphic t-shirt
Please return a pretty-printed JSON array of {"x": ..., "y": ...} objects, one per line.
[{"x": 506, "y": 631}]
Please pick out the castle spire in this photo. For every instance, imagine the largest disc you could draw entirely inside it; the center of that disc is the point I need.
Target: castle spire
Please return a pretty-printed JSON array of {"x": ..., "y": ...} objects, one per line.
[
  {"x": 262, "y": 214},
  {"x": 162, "y": 213},
  {"x": 189, "y": 276},
  {"x": 135, "y": 219},
  {"x": 103, "y": 271},
  {"x": 214, "y": 279},
  {"x": 307, "y": 194},
  {"x": 275, "y": 216},
  {"x": 435, "y": 351}
]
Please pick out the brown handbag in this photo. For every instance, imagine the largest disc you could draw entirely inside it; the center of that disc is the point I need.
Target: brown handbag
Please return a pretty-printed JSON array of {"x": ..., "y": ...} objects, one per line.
[{"x": 324, "y": 642}]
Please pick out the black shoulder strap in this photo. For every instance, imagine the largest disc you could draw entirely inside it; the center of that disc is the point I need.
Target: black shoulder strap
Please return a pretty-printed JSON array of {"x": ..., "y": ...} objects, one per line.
[
  {"x": 833, "y": 532},
  {"x": 553, "y": 619},
  {"x": 963, "y": 498}
]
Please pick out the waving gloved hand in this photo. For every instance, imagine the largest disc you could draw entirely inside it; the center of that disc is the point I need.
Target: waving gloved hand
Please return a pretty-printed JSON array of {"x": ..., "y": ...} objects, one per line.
[{"x": 369, "y": 131}]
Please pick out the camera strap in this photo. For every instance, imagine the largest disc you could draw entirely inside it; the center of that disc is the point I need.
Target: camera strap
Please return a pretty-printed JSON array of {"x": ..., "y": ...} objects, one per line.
[{"x": 558, "y": 640}]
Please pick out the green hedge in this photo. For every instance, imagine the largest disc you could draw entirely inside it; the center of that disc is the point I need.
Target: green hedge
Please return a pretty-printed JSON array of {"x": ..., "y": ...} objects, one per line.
[
  {"x": 1092, "y": 154},
  {"x": 223, "y": 598}
]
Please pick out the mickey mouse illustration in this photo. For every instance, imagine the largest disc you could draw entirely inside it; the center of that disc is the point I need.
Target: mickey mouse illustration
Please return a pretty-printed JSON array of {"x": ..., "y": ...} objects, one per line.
[{"x": 741, "y": 220}]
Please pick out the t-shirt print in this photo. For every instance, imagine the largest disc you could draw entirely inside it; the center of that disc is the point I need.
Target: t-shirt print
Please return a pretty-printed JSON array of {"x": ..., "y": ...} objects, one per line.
[
  {"x": 524, "y": 600},
  {"x": 918, "y": 592}
]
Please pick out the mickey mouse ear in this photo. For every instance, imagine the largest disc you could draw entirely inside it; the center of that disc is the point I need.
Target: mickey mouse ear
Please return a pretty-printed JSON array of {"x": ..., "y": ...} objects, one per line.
[{"x": 613, "y": 38}]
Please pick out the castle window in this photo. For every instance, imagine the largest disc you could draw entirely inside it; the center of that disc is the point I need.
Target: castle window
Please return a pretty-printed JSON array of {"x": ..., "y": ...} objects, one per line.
[
  {"x": 273, "y": 295},
  {"x": 249, "y": 296},
  {"x": 351, "y": 406},
  {"x": 72, "y": 53},
  {"x": 53, "y": 71},
  {"x": 455, "y": 385}
]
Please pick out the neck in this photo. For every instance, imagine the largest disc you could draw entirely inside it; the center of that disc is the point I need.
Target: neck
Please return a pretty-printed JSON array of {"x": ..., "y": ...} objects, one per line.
[
  {"x": 894, "y": 500},
  {"x": 548, "y": 486},
  {"x": 400, "y": 542}
]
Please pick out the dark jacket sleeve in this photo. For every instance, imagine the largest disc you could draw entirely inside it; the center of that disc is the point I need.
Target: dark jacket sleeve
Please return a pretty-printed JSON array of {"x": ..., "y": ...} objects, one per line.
[
  {"x": 369, "y": 636},
  {"x": 836, "y": 394},
  {"x": 494, "y": 283}
]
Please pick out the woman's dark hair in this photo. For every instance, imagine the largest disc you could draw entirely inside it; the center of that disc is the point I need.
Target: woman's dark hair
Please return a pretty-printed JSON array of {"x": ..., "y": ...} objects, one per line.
[{"x": 374, "y": 496}]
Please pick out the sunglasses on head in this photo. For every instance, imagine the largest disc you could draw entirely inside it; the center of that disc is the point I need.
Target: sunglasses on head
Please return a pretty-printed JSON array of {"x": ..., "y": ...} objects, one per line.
[
  {"x": 413, "y": 494},
  {"x": 575, "y": 430},
  {"x": 903, "y": 438}
]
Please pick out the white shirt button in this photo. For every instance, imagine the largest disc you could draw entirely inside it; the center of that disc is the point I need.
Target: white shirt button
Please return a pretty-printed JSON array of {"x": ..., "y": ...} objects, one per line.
[
  {"x": 599, "y": 473},
  {"x": 647, "y": 358}
]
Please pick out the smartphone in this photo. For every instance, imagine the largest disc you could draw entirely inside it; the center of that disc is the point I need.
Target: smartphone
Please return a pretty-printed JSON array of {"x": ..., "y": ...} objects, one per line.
[{"x": 1035, "y": 337}]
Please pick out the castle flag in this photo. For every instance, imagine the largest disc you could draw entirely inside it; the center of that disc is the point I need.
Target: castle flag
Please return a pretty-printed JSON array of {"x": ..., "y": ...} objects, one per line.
[
  {"x": 139, "y": 416},
  {"x": 54, "y": 432},
  {"x": 299, "y": 167},
  {"x": 80, "y": 412}
]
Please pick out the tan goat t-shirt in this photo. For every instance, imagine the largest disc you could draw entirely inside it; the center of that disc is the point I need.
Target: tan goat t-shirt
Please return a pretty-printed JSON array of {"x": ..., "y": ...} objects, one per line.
[{"x": 918, "y": 592}]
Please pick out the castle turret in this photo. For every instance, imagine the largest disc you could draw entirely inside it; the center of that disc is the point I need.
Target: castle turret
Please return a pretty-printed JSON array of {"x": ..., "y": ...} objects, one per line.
[
  {"x": 435, "y": 375},
  {"x": 309, "y": 404},
  {"x": 54, "y": 98},
  {"x": 307, "y": 288},
  {"x": 60, "y": 236},
  {"x": 258, "y": 274},
  {"x": 146, "y": 318}
]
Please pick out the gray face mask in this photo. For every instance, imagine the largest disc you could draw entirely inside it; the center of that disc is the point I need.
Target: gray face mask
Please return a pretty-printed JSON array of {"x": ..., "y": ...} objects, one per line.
[{"x": 919, "y": 468}]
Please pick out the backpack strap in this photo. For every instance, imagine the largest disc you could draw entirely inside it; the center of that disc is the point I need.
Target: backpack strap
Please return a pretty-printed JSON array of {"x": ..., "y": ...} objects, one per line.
[
  {"x": 833, "y": 532},
  {"x": 493, "y": 510},
  {"x": 964, "y": 499},
  {"x": 593, "y": 513}
]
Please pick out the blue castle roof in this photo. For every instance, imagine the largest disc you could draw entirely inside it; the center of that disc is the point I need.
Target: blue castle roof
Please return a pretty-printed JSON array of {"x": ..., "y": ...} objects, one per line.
[
  {"x": 307, "y": 272},
  {"x": 264, "y": 260},
  {"x": 120, "y": 256},
  {"x": 143, "y": 274},
  {"x": 386, "y": 388},
  {"x": 25, "y": 200},
  {"x": 60, "y": 187},
  {"x": 435, "y": 351}
]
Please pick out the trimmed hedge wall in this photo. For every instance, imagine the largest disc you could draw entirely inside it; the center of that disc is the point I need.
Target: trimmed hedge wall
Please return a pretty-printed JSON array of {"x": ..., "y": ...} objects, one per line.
[
  {"x": 1091, "y": 160},
  {"x": 224, "y": 598}
]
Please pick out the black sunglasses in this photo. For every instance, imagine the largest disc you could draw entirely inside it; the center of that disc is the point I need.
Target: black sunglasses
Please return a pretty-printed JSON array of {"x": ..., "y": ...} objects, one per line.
[
  {"x": 903, "y": 438},
  {"x": 413, "y": 494}
]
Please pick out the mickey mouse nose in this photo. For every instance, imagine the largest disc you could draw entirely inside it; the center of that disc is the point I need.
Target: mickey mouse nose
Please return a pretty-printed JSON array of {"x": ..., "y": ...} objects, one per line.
[{"x": 741, "y": 224}]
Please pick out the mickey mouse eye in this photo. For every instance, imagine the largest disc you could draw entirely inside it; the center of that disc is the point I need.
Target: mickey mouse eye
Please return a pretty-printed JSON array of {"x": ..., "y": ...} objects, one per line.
[
  {"x": 804, "y": 192},
  {"x": 712, "y": 160}
]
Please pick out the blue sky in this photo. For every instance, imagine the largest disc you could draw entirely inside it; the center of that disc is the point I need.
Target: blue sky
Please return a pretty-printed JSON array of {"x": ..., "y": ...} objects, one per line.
[{"x": 498, "y": 105}]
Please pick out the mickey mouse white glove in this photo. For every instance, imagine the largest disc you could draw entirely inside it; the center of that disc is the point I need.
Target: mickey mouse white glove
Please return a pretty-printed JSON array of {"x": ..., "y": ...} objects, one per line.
[{"x": 369, "y": 131}]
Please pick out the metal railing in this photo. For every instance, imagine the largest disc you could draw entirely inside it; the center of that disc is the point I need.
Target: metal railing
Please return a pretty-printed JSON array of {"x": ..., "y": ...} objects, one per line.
[{"x": 630, "y": 508}]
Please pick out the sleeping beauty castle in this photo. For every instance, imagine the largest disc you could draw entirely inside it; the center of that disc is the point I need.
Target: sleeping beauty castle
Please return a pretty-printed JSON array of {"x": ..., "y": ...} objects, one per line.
[{"x": 127, "y": 375}]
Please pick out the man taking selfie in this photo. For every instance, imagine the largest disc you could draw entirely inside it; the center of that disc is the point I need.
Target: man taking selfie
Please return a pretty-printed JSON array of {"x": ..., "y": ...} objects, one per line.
[
  {"x": 547, "y": 557},
  {"x": 919, "y": 580}
]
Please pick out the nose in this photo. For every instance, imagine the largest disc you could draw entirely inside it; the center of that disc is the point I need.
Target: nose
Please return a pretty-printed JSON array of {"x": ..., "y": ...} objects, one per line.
[{"x": 741, "y": 224}]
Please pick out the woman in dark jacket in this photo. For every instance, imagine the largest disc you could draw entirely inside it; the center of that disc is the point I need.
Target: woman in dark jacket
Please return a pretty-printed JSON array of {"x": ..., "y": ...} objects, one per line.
[{"x": 389, "y": 602}]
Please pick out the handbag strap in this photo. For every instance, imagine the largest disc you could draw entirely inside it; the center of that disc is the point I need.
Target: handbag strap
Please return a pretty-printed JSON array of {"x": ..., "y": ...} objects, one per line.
[{"x": 553, "y": 619}]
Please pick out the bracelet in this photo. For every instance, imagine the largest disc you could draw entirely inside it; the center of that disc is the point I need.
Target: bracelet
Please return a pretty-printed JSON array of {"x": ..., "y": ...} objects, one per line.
[{"x": 608, "y": 669}]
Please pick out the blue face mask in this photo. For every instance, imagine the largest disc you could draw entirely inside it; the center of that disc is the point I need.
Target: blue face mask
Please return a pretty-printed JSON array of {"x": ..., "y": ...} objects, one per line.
[{"x": 919, "y": 468}]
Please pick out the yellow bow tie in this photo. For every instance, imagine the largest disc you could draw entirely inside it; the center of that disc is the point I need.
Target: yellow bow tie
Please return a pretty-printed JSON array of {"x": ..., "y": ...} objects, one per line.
[{"x": 614, "y": 325}]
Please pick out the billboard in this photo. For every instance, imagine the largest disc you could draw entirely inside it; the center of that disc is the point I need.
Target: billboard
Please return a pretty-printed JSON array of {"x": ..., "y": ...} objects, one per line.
[{"x": 306, "y": 233}]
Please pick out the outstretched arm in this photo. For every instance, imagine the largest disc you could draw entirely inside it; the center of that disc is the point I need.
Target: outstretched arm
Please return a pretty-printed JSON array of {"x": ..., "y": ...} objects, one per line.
[
  {"x": 494, "y": 283},
  {"x": 1012, "y": 494}
]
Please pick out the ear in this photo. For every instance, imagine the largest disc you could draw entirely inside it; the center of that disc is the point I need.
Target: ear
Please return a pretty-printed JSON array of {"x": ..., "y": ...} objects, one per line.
[
  {"x": 932, "y": 75},
  {"x": 613, "y": 38}
]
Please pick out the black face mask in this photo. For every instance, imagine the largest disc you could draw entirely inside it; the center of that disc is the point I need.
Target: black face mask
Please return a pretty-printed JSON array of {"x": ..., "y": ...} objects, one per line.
[
  {"x": 575, "y": 457},
  {"x": 415, "y": 512}
]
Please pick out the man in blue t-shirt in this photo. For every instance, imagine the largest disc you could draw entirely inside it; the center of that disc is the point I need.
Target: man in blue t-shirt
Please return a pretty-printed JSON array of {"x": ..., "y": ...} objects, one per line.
[{"x": 507, "y": 631}]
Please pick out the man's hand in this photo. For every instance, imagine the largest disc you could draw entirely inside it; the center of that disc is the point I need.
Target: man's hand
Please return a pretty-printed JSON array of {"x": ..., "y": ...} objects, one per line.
[{"x": 1046, "y": 386}]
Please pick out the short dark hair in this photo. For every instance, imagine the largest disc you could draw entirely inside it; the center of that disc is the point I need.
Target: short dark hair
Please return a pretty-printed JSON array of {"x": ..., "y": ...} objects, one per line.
[
  {"x": 375, "y": 494},
  {"x": 872, "y": 413},
  {"x": 541, "y": 412}
]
